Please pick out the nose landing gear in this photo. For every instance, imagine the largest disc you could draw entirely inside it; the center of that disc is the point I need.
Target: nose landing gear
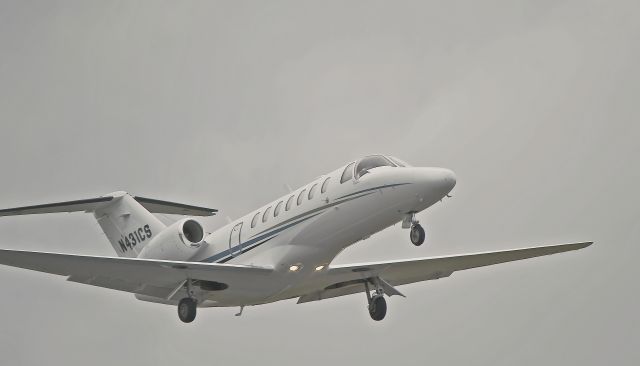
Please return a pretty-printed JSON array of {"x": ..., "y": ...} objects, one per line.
[{"x": 416, "y": 234}]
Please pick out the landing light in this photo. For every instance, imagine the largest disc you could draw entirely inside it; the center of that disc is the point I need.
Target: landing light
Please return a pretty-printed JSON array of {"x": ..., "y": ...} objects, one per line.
[
  {"x": 320, "y": 267},
  {"x": 295, "y": 268}
]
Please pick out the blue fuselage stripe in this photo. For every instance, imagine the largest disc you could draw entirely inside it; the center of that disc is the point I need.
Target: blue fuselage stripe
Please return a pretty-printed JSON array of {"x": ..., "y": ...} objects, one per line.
[
  {"x": 257, "y": 241},
  {"x": 373, "y": 189},
  {"x": 268, "y": 234}
]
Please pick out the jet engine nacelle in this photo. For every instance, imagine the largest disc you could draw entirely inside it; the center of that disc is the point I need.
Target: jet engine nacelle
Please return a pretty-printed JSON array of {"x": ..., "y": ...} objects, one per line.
[{"x": 179, "y": 242}]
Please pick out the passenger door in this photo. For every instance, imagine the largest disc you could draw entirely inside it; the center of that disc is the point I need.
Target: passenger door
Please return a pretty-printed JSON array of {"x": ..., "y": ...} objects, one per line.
[{"x": 234, "y": 240}]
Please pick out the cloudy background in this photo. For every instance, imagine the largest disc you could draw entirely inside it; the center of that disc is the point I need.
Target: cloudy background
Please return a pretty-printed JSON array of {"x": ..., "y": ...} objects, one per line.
[{"x": 534, "y": 104}]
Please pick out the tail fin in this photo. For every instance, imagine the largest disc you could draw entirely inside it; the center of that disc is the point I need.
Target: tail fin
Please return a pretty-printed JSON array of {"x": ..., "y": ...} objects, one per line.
[
  {"x": 127, "y": 224},
  {"x": 127, "y": 221}
]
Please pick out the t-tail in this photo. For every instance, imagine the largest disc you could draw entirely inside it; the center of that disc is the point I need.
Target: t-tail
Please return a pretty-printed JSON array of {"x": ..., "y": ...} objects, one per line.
[{"x": 127, "y": 221}]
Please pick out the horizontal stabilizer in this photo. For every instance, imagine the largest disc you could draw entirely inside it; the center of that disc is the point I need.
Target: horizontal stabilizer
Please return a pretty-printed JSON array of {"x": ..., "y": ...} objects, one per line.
[
  {"x": 88, "y": 205},
  {"x": 92, "y": 204},
  {"x": 167, "y": 207}
]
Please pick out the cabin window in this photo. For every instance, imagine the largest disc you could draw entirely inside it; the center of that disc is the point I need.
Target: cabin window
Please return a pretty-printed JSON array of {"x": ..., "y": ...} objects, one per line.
[
  {"x": 276, "y": 211},
  {"x": 289, "y": 203},
  {"x": 370, "y": 162},
  {"x": 347, "y": 174},
  {"x": 325, "y": 184},
  {"x": 265, "y": 216},
  {"x": 255, "y": 219},
  {"x": 312, "y": 190},
  {"x": 301, "y": 196}
]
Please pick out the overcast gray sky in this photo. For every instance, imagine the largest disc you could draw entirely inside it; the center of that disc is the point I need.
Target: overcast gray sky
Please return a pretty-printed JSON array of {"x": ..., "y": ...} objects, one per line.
[{"x": 534, "y": 104}]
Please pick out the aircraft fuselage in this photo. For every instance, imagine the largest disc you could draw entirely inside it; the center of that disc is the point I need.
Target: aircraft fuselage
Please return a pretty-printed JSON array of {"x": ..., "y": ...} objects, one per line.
[{"x": 300, "y": 242}]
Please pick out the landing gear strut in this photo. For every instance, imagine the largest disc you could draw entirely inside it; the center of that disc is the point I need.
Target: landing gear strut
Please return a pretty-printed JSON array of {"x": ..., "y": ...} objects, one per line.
[
  {"x": 377, "y": 303},
  {"x": 188, "y": 305}
]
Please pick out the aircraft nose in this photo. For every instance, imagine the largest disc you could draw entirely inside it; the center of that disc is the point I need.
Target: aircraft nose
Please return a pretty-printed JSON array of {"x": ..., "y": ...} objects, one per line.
[
  {"x": 440, "y": 180},
  {"x": 449, "y": 179}
]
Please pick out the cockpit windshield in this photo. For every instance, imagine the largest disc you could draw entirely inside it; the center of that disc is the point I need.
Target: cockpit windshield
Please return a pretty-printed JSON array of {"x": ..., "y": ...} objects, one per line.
[
  {"x": 370, "y": 162},
  {"x": 400, "y": 163}
]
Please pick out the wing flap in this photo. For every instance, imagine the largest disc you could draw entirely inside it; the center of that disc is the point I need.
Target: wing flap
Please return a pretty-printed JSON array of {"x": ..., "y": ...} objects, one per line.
[
  {"x": 347, "y": 289},
  {"x": 122, "y": 285}
]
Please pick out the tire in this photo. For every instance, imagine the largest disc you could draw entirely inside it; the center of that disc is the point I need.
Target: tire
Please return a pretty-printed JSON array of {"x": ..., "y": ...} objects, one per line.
[
  {"x": 378, "y": 308},
  {"x": 417, "y": 235},
  {"x": 187, "y": 310}
]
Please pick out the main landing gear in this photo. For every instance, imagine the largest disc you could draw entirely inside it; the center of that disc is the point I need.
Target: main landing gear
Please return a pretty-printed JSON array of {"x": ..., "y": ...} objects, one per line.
[
  {"x": 188, "y": 305},
  {"x": 416, "y": 234},
  {"x": 187, "y": 309},
  {"x": 377, "y": 303}
]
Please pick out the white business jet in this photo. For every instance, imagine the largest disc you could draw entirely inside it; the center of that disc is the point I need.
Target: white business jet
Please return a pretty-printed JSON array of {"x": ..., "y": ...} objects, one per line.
[{"x": 280, "y": 251}]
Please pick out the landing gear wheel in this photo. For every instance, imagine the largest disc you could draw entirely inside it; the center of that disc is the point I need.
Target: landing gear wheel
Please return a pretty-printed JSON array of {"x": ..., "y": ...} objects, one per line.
[
  {"x": 187, "y": 309},
  {"x": 417, "y": 235},
  {"x": 378, "y": 308}
]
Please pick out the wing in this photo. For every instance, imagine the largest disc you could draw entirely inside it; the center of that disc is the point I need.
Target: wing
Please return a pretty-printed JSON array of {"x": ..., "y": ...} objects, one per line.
[
  {"x": 156, "y": 278},
  {"x": 348, "y": 279}
]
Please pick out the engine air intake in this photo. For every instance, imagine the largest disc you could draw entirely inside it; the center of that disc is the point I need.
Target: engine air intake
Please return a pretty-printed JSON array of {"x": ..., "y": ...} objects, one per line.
[{"x": 193, "y": 231}]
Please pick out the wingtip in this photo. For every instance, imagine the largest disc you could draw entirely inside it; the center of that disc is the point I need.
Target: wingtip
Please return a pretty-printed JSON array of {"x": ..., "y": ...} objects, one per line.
[{"x": 583, "y": 244}]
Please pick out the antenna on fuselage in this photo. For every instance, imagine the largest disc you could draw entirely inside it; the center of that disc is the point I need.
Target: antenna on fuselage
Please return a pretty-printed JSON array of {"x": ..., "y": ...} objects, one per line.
[{"x": 448, "y": 196}]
